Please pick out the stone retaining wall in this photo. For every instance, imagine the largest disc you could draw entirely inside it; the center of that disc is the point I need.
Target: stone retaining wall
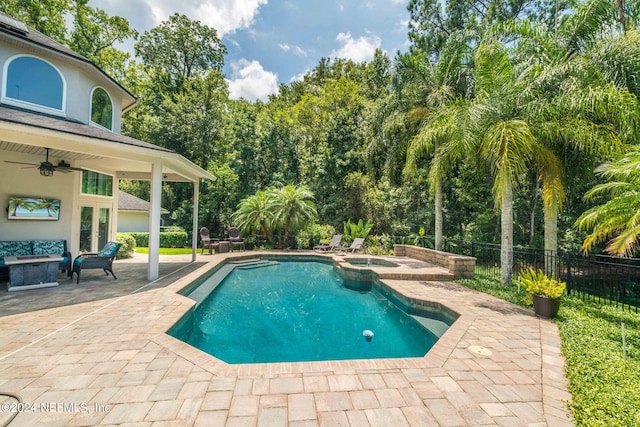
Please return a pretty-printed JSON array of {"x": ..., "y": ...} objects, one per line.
[{"x": 460, "y": 266}]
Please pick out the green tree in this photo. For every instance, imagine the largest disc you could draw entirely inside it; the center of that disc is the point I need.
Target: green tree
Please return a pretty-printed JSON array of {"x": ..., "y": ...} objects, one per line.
[
  {"x": 193, "y": 122},
  {"x": 219, "y": 199},
  {"x": 432, "y": 22},
  {"x": 578, "y": 104},
  {"x": 253, "y": 214},
  {"x": 617, "y": 220},
  {"x": 292, "y": 207},
  {"x": 440, "y": 84},
  {"x": 275, "y": 155},
  {"x": 500, "y": 136},
  {"x": 94, "y": 33},
  {"x": 177, "y": 50},
  {"x": 46, "y": 16}
]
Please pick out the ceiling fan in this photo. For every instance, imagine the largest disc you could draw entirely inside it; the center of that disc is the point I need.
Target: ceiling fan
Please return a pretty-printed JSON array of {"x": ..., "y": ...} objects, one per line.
[{"x": 47, "y": 168}]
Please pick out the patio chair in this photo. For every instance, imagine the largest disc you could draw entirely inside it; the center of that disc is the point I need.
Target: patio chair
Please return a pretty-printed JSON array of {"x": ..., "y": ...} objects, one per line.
[
  {"x": 235, "y": 239},
  {"x": 327, "y": 247},
  {"x": 206, "y": 241},
  {"x": 358, "y": 243},
  {"x": 103, "y": 260}
]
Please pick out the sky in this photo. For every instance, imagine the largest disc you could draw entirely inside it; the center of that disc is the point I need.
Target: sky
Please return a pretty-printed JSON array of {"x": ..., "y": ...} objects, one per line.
[{"x": 278, "y": 41}]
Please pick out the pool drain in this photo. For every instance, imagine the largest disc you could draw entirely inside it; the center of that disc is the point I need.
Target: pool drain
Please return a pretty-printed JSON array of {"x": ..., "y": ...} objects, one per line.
[
  {"x": 480, "y": 350},
  {"x": 368, "y": 335}
]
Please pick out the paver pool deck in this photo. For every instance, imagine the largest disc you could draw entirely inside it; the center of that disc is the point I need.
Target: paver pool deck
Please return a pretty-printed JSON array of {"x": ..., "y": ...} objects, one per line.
[{"x": 106, "y": 360}]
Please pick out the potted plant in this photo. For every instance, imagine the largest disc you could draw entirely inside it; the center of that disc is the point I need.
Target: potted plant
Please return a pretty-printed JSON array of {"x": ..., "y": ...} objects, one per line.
[{"x": 545, "y": 291}]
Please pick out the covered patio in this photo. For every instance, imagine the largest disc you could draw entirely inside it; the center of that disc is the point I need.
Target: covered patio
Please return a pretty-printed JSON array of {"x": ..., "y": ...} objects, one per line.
[{"x": 87, "y": 220}]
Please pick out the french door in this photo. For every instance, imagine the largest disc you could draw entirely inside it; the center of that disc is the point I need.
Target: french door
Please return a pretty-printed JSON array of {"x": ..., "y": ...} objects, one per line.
[{"x": 95, "y": 226}]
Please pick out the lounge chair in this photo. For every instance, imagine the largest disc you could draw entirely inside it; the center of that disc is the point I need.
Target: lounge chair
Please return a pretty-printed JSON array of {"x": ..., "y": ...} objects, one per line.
[
  {"x": 206, "y": 240},
  {"x": 358, "y": 243},
  {"x": 103, "y": 260},
  {"x": 234, "y": 239},
  {"x": 327, "y": 247}
]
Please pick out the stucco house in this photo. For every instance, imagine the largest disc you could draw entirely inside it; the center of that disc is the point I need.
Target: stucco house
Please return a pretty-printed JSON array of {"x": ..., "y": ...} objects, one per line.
[
  {"x": 60, "y": 120},
  {"x": 133, "y": 213}
]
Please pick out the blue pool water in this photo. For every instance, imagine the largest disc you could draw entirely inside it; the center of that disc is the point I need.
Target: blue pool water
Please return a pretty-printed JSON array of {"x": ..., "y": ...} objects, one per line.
[{"x": 298, "y": 311}]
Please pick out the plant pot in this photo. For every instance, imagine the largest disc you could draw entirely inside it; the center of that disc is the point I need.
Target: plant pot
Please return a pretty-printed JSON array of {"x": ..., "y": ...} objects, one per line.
[
  {"x": 248, "y": 246},
  {"x": 545, "y": 307}
]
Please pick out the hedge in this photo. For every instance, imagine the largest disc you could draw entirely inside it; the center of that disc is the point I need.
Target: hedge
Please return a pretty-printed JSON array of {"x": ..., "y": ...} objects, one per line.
[{"x": 168, "y": 239}]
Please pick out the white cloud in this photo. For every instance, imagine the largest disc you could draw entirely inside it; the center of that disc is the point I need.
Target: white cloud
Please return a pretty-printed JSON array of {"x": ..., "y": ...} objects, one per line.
[
  {"x": 226, "y": 16},
  {"x": 296, "y": 50},
  {"x": 250, "y": 81},
  {"x": 358, "y": 50}
]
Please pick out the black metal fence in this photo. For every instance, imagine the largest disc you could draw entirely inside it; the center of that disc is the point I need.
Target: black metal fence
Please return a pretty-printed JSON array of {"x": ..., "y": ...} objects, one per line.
[{"x": 603, "y": 278}]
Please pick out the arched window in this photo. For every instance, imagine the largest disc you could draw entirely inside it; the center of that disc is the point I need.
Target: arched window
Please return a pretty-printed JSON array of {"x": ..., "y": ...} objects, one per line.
[
  {"x": 101, "y": 108},
  {"x": 33, "y": 82}
]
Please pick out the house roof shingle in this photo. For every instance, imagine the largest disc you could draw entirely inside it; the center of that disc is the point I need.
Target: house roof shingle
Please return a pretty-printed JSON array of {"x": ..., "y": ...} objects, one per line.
[
  {"x": 43, "y": 121},
  {"x": 129, "y": 202}
]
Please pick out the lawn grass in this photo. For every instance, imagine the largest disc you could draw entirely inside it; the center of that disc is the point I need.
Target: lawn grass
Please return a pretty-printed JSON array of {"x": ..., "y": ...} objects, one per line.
[
  {"x": 605, "y": 386},
  {"x": 166, "y": 251}
]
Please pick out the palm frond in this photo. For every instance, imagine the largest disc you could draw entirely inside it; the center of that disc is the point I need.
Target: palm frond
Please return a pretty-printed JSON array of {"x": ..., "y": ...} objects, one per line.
[
  {"x": 508, "y": 146},
  {"x": 581, "y": 28}
]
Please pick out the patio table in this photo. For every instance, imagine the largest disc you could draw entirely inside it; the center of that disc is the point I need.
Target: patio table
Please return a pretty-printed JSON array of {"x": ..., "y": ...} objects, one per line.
[{"x": 32, "y": 271}]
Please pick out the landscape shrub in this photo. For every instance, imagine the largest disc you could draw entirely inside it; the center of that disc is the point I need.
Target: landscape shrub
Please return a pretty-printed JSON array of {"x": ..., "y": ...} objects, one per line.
[
  {"x": 173, "y": 239},
  {"x": 128, "y": 245},
  {"x": 168, "y": 239},
  {"x": 142, "y": 239},
  {"x": 605, "y": 386},
  {"x": 380, "y": 244},
  {"x": 313, "y": 235}
]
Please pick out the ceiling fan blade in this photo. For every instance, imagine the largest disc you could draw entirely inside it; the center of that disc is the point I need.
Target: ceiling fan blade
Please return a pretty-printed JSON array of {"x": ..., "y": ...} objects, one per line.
[
  {"x": 22, "y": 163},
  {"x": 66, "y": 169}
]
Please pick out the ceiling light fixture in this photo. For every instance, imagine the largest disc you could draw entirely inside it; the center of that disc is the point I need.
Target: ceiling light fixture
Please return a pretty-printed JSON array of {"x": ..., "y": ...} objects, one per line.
[{"x": 45, "y": 171}]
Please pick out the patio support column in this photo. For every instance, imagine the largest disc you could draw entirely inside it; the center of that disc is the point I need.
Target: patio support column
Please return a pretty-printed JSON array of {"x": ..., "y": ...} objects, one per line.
[
  {"x": 153, "y": 268},
  {"x": 194, "y": 231}
]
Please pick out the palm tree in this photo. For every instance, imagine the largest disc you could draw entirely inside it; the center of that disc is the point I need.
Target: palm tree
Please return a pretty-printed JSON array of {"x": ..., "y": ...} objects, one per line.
[
  {"x": 50, "y": 205},
  {"x": 498, "y": 128},
  {"x": 14, "y": 204},
  {"x": 578, "y": 102},
  {"x": 253, "y": 214},
  {"x": 440, "y": 135},
  {"x": 436, "y": 87},
  {"x": 616, "y": 221},
  {"x": 291, "y": 207}
]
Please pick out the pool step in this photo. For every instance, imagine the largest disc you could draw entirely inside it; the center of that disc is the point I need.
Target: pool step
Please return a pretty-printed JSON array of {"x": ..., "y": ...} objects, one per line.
[
  {"x": 244, "y": 261},
  {"x": 202, "y": 291},
  {"x": 257, "y": 264}
]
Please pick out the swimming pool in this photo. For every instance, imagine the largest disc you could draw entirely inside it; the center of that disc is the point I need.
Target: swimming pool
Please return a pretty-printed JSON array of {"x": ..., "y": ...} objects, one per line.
[{"x": 290, "y": 311}]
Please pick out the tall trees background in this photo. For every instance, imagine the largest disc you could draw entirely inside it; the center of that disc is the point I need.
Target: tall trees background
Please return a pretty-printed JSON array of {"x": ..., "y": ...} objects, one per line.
[{"x": 488, "y": 128}]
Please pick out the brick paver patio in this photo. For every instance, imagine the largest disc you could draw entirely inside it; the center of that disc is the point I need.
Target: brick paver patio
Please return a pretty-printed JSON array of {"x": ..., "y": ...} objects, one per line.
[{"x": 106, "y": 360}]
